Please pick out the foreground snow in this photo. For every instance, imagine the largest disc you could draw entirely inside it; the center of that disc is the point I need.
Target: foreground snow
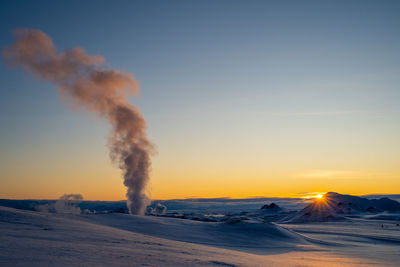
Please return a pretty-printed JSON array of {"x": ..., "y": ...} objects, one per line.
[{"x": 30, "y": 238}]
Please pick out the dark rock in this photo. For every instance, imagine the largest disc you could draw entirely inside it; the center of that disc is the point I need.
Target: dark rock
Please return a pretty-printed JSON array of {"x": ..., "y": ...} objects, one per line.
[{"x": 271, "y": 206}]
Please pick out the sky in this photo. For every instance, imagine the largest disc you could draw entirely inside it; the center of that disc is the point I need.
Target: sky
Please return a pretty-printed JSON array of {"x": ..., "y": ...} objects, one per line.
[{"x": 241, "y": 98}]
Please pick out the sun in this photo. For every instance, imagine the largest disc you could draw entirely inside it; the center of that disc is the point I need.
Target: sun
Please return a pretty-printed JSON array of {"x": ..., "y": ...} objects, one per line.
[{"x": 315, "y": 195}]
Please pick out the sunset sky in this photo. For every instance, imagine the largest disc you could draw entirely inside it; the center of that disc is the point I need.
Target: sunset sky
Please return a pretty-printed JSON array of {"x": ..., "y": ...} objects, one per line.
[{"x": 241, "y": 98}]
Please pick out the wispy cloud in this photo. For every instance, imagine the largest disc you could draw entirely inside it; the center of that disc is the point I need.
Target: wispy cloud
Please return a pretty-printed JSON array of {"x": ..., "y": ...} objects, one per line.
[
  {"x": 328, "y": 174},
  {"x": 311, "y": 113}
]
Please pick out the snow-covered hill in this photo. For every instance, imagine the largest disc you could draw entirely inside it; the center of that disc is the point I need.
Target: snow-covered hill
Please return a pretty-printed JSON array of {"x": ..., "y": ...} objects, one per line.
[
  {"x": 335, "y": 207},
  {"x": 31, "y": 238}
]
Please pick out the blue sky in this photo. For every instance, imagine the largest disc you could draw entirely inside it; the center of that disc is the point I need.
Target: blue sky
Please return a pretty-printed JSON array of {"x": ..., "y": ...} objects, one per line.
[{"x": 282, "y": 87}]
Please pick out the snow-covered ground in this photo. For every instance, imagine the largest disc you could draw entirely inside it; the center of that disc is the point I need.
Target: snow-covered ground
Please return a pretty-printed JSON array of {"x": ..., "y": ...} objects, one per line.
[{"x": 32, "y": 238}]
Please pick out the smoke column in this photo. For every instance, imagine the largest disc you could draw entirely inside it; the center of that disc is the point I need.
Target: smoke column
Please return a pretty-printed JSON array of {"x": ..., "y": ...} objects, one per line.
[{"x": 85, "y": 84}]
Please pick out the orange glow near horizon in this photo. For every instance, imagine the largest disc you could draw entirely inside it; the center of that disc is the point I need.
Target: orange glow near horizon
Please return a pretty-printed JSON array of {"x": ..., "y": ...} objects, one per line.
[{"x": 176, "y": 177}]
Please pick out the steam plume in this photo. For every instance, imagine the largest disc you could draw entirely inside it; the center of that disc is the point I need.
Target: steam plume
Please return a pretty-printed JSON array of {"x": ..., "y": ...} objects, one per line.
[
  {"x": 84, "y": 83},
  {"x": 67, "y": 203}
]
